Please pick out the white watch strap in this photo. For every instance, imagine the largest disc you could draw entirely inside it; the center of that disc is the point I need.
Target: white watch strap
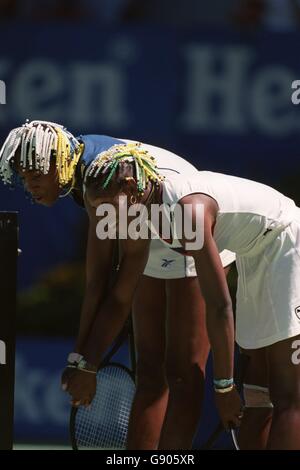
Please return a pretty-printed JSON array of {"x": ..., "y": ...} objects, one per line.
[{"x": 74, "y": 358}]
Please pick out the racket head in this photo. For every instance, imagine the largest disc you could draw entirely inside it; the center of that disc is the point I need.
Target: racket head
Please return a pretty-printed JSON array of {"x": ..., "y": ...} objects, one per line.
[
  {"x": 104, "y": 425},
  {"x": 209, "y": 444},
  {"x": 234, "y": 438}
]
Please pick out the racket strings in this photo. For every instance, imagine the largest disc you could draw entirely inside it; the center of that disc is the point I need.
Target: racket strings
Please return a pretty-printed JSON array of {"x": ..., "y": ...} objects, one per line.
[
  {"x": 92, "y": 435},
  {"x": 104, "y": 425}
]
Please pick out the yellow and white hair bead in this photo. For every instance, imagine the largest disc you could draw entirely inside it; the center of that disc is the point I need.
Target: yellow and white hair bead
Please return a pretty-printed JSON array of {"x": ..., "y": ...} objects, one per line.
[{"x": 39, "y": 142}]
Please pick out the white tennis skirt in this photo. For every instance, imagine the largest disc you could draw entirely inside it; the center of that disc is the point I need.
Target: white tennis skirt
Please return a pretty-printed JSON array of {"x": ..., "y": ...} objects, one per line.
[
  {"x": 268, "y": 295},
  {"x": 165, "y": 263}
]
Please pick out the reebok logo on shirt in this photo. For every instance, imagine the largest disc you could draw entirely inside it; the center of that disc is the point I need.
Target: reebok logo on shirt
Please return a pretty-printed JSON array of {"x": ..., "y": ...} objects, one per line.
[{"x": 167, "y": 263}]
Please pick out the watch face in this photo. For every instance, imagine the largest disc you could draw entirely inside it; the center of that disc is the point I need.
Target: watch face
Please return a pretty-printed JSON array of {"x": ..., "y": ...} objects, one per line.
[{"x": 84, "y": 365}]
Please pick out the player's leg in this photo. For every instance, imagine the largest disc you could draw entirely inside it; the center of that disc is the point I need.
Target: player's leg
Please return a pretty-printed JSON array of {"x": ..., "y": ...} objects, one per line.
[
  {"x": 268, "y": 314},
  {"x": 149, "y": 406},
  {"x": 284, "y": 382},
  {"x": 187, "y": 351},
  {"x": 257, "y": 416}
]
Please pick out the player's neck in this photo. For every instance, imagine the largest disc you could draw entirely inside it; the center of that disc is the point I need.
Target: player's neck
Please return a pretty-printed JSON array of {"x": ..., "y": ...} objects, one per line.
[{"x": 152, "y": 195}]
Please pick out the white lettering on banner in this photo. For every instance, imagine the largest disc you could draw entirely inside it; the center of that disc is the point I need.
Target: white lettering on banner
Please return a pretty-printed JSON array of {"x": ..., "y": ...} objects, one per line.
[
  {"x": 2, "y": 92},
  {"x": 82, "y": 94},
  {"x": 258, "y": 98},
  {"x": 270, "y": 98},
  {"x": 38, "y": 396},
  {"x": 98, "y": 95},
  {"x": 5, "y": 66},
  {"x": 228, "y": 90},
  {"x": 2, "y": 352},
  {"x": 37, "y": 90},
  {"x": 205, "y": 82}
]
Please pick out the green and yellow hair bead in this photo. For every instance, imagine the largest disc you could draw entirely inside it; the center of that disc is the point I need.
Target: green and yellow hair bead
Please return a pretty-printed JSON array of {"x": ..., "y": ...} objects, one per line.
[{"x": 108, "y": 162}]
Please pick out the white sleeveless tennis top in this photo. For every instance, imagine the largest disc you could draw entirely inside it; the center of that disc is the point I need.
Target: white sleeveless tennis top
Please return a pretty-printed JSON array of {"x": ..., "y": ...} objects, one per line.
[
  {"x": 249, "y": 212},
  {"x": 168, "y": 163}
]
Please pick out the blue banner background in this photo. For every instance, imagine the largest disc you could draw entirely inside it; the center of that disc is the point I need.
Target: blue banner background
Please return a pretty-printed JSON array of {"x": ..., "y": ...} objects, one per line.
[{"x": 219, "y": 99}]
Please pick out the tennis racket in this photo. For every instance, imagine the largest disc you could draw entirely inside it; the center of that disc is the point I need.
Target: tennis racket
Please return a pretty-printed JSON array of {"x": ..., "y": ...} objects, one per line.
[{"x": 104, "y": 424}]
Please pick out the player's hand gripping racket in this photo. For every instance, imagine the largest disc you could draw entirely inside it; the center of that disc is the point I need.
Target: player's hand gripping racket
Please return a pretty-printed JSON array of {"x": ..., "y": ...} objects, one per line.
[
  {"x": 242, "y": 364},
  {"x": 104, "y": 424}
]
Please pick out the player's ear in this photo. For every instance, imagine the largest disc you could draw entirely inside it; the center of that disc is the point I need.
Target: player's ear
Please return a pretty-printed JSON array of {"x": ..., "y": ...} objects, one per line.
[
  {"x": 126, "y": 179},
  {"x": 124, "y": 169},
  {"x": 129, "y": 185}
]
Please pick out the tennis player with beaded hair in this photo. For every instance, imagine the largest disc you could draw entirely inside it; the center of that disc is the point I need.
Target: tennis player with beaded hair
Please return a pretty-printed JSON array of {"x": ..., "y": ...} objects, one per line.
[
  {"x": 262, "y": 226},
  {"x": 160, "y": 284}
]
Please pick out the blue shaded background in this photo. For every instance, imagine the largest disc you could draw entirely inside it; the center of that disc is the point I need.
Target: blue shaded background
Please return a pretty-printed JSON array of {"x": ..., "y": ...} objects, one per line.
[
  {"x": 151, "y": 85},
  {"x": 221, "y": 100}
]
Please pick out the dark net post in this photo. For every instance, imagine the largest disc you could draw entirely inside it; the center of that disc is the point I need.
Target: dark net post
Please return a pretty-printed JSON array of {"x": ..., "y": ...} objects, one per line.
[{"x": 8, "y": 280}]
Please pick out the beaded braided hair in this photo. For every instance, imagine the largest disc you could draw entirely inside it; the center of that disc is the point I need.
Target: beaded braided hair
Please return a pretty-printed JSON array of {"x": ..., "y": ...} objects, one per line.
[
  {"x": 39, "y": 143},
  {"x": 110, "y": 163}
]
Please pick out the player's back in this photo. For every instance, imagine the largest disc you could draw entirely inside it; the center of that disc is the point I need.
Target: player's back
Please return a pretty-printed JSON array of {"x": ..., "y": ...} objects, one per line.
[{"x": 247, "y": 209}]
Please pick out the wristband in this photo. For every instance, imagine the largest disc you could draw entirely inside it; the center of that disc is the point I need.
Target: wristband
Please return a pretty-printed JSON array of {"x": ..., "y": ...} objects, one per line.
[
  {"x": 224, "y": 390},
  {"x": 74, "y": 358},
  {"x": 223, "y": 383}
]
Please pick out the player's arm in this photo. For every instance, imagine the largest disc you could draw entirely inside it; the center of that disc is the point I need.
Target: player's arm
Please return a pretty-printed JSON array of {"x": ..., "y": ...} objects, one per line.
[
  {"x": 220, "y": 321},
  {"x": 99, "y": 258},
  {"x": 116, "y": 307},
  {"x": 109, "y": 320}
]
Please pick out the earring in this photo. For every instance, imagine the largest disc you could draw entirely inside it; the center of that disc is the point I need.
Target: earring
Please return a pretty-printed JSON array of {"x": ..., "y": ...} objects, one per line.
[
  {"x": 66, "y": 193},
  {"x": 132, "y": 199}
]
